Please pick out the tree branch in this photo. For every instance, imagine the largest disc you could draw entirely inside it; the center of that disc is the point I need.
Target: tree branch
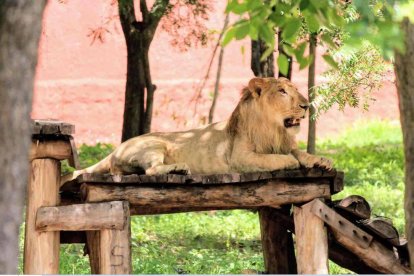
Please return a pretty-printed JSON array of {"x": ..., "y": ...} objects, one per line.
[
  {"x": 157, "y": 11},
  {"x": 126, "y": 15},
  {"x": 144, "y": 10}
]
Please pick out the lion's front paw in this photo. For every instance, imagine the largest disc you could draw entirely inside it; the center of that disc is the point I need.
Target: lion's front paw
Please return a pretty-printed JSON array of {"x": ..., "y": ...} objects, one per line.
[
  {"x": 291, "y": 162},
  {"x": 317, "y": 161}
]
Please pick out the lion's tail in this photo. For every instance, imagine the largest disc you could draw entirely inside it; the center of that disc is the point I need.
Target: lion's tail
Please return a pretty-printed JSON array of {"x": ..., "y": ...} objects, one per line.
[{"x": 102, "y": 166}]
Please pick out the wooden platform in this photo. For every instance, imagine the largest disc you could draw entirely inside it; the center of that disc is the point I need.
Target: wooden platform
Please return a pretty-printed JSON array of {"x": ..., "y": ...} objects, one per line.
[{"x": 95, "y": 209}]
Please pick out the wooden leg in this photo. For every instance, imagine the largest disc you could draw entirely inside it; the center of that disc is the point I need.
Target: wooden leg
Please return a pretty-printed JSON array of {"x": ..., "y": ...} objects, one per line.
[
  {"x": 41, "y": 249},
  {"x": 311, "y": 241},
  {"x": 115, "y": 248},
  {"x": 93, "y": 245},
  {"x": 277, "y": 242}
]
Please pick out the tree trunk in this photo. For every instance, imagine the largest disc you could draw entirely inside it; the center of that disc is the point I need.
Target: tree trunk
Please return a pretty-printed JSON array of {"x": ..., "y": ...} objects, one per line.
[
  {"x": 138, "y": 37},
  {"x": 404, "y": 69},
  {"x": 311, "y": 83},
  {"x": 20, "y": 24},
  {"x": 264, "y": 68},
  {"x": 282, "y": 51}
]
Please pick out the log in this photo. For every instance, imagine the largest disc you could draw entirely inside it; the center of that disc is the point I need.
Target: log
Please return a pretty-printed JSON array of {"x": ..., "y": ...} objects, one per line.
[
  {"x": 383, "y": 229},
  {"x": 254, "y": 194},
  {"x": 41, "y": 249},
  {"x": 115, "y": 248},
  {"x": 376, "y": 256},
  {"x": 355, "y": 205},
  {"x": 74, "y": 159},
  {"x": 311, "y": 241},
  {"x": 80, "y": 217},
  {"x": 51, "y": 128},
  {"x": 277, "y": 241},
  {"x": 56, "y": 149}
]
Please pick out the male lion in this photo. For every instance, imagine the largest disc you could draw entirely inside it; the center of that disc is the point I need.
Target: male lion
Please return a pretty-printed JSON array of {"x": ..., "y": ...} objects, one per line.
[{"x": 259, "y": 136}]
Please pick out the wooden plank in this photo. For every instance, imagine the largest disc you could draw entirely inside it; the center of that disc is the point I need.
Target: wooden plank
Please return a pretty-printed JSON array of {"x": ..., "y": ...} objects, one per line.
[
  {"x": 341, "y": 224},
  {"x": 52, "y": 127},
  {"x": 74, "y": 159},
  {"x": 311, "y": 241},
  {"x": 182, "y": 196},
  {"x": 377, "y": 256},
  {"x": 115, "y": 248},
  {"x": 346, "y": 259},
  {"x": 338, "y": 182},
  {"x": 81, "y": 217},
  {"x": 207, "y": 179},
  {"x": 56, "y": 149},
  {"x": 41, "y": 249},
  {"x": 93, "y": 247},
  {"x": 277, "y": 241}
]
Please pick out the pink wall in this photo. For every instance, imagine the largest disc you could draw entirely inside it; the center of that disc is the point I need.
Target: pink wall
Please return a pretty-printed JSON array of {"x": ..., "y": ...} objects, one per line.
[{"x": 83, "y": 83}]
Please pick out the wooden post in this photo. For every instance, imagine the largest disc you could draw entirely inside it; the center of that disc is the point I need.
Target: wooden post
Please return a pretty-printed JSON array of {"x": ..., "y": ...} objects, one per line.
[
  {"x": 277, "y": 242},
  {"x": 311, "y": 241},
  {"x": 41, "y": 249},
  {"x": 115, "y": 248}
]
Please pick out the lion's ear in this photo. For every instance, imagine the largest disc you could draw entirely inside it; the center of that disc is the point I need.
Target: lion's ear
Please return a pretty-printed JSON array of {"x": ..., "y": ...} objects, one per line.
[{"x": 256, "y": 86}]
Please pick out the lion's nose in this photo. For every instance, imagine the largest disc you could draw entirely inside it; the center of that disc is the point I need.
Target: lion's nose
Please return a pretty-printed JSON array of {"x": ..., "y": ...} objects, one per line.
[{"x": 304, "y": 106}]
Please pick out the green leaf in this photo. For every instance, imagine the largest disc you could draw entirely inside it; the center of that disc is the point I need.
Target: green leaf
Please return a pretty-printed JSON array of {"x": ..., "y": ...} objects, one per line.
[
  {"x": 291, "y": 29},
  {"x": 300, "y": 51},
  {"x": 283, "y": 63},
  {"x": 312, "y": 22},
  {"x": 268, "y": 51},
  {"x": 253, "y": 32},
  {"x": 329, "y": 41},
  {"x": 267, "y": 34},
  {"x": 329, "y": 59},
  {"x": 241, "y": 30},
  {"x": 228, "y": 36}
]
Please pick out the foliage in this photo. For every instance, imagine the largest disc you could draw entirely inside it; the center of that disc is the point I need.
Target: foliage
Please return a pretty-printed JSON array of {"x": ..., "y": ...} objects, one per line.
[
  {"x": 374, "y": 21},
  {"x": 358, "y": 75},
  {"x": 225, "y": 242}
]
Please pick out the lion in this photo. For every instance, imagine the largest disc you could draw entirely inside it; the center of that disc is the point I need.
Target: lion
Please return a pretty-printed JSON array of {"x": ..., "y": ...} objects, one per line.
[{"x": 259, "y": 136}]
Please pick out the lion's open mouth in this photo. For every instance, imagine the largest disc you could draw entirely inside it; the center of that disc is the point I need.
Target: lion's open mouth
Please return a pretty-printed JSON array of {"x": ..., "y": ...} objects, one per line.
[{"x": 291, "y": 122}]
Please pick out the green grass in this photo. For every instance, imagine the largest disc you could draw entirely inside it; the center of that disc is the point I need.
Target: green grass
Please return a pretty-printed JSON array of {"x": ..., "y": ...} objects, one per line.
[{"x": 225, "y": 242}]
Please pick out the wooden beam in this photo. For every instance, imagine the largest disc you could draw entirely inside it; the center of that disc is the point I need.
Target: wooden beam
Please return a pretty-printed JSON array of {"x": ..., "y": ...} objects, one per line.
[
  {"x": 356, "y": 205},
  {"x": 115, "y": 248},
  {"x": 74, "y": 159},
  {"x": 182, "y": 196},
  {"x": 56, "y": 149},
  {"x": 311, "y": 241},
  {"x": 336, "y": 221},
  {"x": 377, "y": 256},
  {"x": 51, "y": 128},
  {"x": 277, "y": 241},
  {"x": 79, "y": 217},
  {"x": 93, "y": 247},
  {"x": 41, "y": 250}
]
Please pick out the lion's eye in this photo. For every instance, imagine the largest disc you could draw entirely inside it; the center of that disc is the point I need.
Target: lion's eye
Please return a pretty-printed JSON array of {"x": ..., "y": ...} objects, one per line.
[{"x": 283, "y": 91}]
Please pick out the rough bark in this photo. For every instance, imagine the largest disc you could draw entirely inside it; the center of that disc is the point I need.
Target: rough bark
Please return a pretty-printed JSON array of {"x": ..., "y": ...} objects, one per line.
[
  {"x": 264, "y": 68},
  {"x": 20, "y": 24},
  {"x": 282, "y": 51},
  {"x": 311, "y": 83},
  {"x": 404, "y": 68},
  {"x": 138, "y": 37}
]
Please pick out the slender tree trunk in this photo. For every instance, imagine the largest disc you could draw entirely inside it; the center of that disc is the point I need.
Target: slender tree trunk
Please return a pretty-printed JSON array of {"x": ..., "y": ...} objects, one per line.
[
  {"x": 264, "y": 68},
  {"x": 282, "y": 51},
  {"x": 311, "y": 83},
  {"x": 404, "y": 69},
  {"x": 135, "y": 90},
  {"x": 219, "y": 66},
  {"x": 20, "y": 24},
  {"x": 138, "y": 37}
]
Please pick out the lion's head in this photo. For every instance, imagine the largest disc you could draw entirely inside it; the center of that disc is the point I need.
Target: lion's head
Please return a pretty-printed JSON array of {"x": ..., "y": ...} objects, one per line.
[{"x": 269, "y": 108}]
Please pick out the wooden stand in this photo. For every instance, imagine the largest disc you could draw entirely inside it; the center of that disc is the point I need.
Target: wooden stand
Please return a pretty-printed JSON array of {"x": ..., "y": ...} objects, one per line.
[{"x": 101, "y": 216}]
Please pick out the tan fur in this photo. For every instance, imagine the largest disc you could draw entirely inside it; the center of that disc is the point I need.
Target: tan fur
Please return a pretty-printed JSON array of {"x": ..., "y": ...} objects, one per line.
[{"x": 253, "y": 139}]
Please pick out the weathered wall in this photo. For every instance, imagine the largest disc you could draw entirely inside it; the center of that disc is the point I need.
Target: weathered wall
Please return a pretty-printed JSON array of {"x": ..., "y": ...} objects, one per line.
[{"x": 83, "y": 83}]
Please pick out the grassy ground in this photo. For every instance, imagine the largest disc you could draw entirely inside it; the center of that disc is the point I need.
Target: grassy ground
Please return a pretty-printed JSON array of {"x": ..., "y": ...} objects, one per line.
[{"x": 226, "y": 242}]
